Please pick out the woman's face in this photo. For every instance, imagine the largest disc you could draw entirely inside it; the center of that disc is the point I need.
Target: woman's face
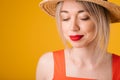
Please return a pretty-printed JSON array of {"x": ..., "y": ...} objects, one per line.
[{"x": 77, "y": 25}]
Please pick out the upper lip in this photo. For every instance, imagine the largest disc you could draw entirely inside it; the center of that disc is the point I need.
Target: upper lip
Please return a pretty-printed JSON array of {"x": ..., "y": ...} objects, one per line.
[{"x": 76, "y": 37}]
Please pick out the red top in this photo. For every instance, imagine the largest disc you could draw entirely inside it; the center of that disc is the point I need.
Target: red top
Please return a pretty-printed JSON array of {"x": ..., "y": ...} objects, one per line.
[{"x": 59, "y": 67}]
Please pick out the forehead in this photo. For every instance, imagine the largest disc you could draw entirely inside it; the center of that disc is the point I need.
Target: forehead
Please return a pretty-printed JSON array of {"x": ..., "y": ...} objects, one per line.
[{"x": 72, "y": 5}]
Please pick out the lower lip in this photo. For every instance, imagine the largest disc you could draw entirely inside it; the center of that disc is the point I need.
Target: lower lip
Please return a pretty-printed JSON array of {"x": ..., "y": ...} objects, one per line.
[{"x": 76, "y": 37}]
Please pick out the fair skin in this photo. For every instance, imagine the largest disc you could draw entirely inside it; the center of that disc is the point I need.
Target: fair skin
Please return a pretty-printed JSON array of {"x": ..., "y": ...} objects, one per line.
[{"x": 80, "y": 60}]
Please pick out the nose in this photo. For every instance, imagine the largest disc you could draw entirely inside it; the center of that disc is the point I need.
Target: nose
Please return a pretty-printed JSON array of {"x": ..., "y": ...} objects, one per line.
[{"x": 74, "y": 25}]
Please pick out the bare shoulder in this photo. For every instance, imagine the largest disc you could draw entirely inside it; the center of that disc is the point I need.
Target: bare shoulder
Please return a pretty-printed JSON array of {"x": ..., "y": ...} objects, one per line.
[
  {"x": 45, "y": 67},
  {"x": 46, "y": 57}
]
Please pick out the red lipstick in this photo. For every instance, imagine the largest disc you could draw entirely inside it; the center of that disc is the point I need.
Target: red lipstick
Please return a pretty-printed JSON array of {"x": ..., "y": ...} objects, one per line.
[{"x": 76, "y": 37}]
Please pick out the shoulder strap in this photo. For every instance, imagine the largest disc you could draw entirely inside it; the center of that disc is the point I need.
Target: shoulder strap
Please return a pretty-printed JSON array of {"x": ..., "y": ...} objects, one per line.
[
  {"x": 59, "y": 65},
  {"x": 116, "y": 67}
]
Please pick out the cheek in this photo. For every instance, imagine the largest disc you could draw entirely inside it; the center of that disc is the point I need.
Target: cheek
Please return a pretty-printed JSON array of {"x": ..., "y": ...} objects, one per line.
[
  {"x": 65, "y": 27},
  {"x": 91, "y": 31},
  {"x": 89, "y": 28}
]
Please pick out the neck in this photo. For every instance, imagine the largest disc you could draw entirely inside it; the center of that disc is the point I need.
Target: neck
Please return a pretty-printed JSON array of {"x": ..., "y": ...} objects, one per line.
[
  {"x": 83, "y": 53},
  {"x": 84, "y": 56}
]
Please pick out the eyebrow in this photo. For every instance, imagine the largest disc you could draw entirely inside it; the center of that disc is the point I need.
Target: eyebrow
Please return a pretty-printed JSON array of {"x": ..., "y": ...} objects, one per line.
[{"x": 64, "y": 11}]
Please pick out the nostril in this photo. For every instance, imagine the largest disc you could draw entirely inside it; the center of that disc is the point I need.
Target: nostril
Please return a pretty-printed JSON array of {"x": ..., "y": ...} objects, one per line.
[
  {"x": 74, "y": 25},
  {"x": 75, "y": 28}
]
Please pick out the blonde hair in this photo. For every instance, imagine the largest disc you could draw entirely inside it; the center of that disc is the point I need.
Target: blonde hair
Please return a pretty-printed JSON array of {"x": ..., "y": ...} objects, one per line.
[
  {"x": 57, "y": 16},
  {"x": 102, "y": 21}
]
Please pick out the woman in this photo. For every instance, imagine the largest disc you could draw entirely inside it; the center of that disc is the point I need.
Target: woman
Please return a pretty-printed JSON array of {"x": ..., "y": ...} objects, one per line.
[{"x": 85, "y": 25}]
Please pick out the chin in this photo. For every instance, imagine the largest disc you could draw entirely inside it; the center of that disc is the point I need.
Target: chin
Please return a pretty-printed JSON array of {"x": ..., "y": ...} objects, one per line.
[{"x": 78, "y": 45}]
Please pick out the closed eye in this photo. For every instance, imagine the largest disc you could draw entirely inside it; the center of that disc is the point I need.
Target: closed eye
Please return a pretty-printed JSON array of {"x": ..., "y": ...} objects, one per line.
[
  {"x": 66, "y": 19},
  {"x": 86, "y": 18}
]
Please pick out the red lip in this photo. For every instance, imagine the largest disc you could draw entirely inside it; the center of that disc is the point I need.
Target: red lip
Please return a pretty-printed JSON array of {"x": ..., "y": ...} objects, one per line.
[{"x": 76, "y": 37}]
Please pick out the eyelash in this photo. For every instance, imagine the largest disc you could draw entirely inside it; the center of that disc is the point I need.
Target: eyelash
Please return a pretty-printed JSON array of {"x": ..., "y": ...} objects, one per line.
[
  {"x": 65, "y": 19},
  {"x": 86, "y": 18},
  {"x": 80, "y": 19}
]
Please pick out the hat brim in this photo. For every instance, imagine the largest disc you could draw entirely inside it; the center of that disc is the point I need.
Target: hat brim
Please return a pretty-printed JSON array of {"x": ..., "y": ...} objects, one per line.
[{"x": 49, "y": 6}]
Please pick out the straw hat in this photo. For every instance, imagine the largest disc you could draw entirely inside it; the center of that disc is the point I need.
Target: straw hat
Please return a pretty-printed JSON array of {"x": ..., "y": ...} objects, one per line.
[{"x": 49, "y": 6}]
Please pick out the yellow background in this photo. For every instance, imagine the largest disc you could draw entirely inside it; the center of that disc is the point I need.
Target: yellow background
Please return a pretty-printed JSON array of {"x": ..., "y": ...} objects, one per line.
[{"x": 26, "y": 32}]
